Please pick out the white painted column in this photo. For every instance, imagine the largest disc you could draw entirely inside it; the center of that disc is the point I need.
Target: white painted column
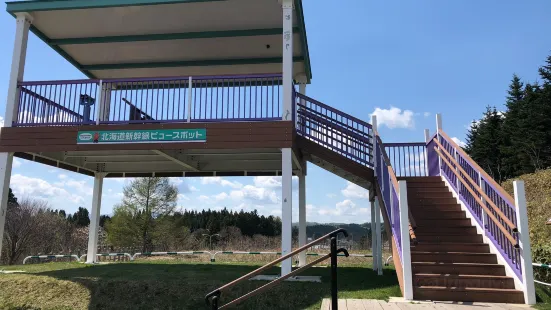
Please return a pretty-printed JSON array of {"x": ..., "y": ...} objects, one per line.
[
  {"x": 287, "y": 6},
  {"x": 302, "y": 218},
  {"x": 438, "y": 129},
  {"x": 427, "y": 140},
  {"x": 373, "y": 237},
  {"x": 524, "y": 243},
  {"x": 93, "y": 229},
  {"x": 379, "y": 241},
  {"x": 404, "y": 233},
  {"x": 23, "y": 22},
  {"x": 286, "y": 208}
]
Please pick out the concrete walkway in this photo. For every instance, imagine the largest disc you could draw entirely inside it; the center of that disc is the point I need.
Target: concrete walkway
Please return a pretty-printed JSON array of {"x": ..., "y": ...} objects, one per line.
[{"x": 400, "y": 304}]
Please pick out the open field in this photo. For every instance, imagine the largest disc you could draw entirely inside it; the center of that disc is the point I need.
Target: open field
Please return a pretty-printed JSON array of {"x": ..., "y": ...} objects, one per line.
[{"x": 176, "y": 284}]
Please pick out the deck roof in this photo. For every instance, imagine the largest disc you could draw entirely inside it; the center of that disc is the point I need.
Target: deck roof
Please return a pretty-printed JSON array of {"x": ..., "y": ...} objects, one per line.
[{"x": 151, "y": 38}]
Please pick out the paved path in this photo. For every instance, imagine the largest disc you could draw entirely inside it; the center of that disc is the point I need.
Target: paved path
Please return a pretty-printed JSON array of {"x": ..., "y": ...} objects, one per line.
[{"x": 400, "y": 304}]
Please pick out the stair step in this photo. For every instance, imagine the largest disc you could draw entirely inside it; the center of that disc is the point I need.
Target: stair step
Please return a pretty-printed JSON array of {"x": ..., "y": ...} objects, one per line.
[
  {"x": 413, "y": 185},
  {"x": 463, "y": 281},
  {"x": 466, "y": 230},
  {"x": 436, "y": 179},
  {"x": 468, "y": 294},
  {"x": 458, "y": 268},
  {"x": 448, "y": 238},
  {"x": 444, "y": 222},
  {"x": 423, "y": 189},
  {"x": 451, "y": 247},
  {"x": 431, "y": 201},
  {"x": 428, "y": 195},
  {"x": 434, "y": 208},
  {"x": 439, "y": 215},
  {"x": 453, "y": 257}
]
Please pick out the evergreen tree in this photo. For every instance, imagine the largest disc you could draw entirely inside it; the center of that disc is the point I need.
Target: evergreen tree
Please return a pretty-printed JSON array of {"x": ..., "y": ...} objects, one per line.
[
  {"x": 11, "y": 197},
  {"x": 80, "y": 218}
]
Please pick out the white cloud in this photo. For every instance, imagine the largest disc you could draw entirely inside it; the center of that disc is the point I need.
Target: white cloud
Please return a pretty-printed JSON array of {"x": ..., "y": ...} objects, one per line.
[
  {"x": 38, "y": 188},
  {"x": 182, "y": 197},
  {"x": 395, "y": 118},
  {"x": 177, "y": 181},
  {"x": 331, "y": 195},
  {"x": 62, "y": 176},
  {"x": 267, "y": 181},
  {"x": 16, "y": 163},
  {"x": 80, "y": 187},
  {"x": 426, "y": 114},
  {"x": 459, "y": 142},
  {"x": 1, "y": 121},
  {"x": 220, "y": 181},
  {"x": 354, "y": 191},
  {"x": 345, "y": 207},
  {"x": 257, "y": 194},
  {"x": 193, "y": 189}
]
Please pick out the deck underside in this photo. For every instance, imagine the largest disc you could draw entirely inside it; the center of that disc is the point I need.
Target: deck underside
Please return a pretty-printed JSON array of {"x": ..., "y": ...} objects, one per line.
[{"x": 231, "y": 149}]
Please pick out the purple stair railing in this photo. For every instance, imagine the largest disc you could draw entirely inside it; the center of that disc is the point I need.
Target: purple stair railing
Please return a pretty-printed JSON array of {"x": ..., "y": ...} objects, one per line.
[
  {"x": 407, "y": 159},
  {"x": 340, "y": 132},
  {"x": 500, "y": 223}
]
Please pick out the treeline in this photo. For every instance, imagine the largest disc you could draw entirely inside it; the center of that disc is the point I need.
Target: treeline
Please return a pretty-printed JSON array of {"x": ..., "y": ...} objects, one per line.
[{"x": 518, "y": 140}]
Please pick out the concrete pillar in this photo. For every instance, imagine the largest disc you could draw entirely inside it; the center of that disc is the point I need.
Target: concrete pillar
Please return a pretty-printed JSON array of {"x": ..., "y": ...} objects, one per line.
[
  {"x": 302, "y": 218},
  {"x": 524, "y": 243},
  {"x": 373, "y": 237},
  {"x": 379, "y": 241},
  {"x": 287, "y": 6},
  {"x": 286, "y": 208},
  {"x": 23, "y": 22},
  {"x": 94, "y": 219}
]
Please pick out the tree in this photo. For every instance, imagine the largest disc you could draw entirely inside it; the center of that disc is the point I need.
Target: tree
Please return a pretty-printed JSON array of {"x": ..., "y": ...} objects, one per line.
[
  {"x": 81, "y": 218},
  {"x": 484, "y": 141},
  {"x": 11, "y": 197},
  {"x": 24, "y": 227},
  {"x": 146, "y": 199},
  {"x": 103, "y": 219}
]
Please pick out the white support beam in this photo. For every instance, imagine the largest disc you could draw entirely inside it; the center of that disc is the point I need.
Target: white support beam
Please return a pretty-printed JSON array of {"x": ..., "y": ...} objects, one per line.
[
  {"x": 286, "y": 208},
  {"x": 93, "y": 228},
  {"x": 6, "y": 161},
  {"x": 287, "y": 6},
  {"x": 404, "y": 234},
  {"x": 373, "y": 236},
  {"x": 379, "y": 242},
  {"x": 175, "y": 158},
  {"x": 524, "y": 243},
  {"x": 23, "y": 22},
  {"x": 302, "y": 218}
]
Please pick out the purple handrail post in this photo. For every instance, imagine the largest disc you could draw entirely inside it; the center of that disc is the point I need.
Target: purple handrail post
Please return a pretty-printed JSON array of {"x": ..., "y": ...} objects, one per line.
[{"x": 189, "y": 98}]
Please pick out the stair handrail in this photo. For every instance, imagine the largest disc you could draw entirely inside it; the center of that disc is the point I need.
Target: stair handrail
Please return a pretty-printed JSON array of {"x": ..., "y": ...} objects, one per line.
[
  {"x": 215, "y": 295},
  {"x": 487, "y": 178},
  {"x": 394, "y": 179},
  {"x": 487, "y": 199},
  {"x": 476, "y": 197}
]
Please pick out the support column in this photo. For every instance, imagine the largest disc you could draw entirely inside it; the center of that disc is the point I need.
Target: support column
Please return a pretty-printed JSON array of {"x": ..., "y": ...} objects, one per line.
[
  {"x": 379, "y": 241},
  {"x": 287, "y": 6},
  {"x": 404, "y": 234},
  {"x": 302, "y": 217},
  {"x": 286, "y": 208},
  {"x": 23, "y": 22},
  {"x": 373, "y": 237},
  {"x": 438, "y": 129},
  {"x": 524, "y": 243},
  {"x": 93, "y": 229}
]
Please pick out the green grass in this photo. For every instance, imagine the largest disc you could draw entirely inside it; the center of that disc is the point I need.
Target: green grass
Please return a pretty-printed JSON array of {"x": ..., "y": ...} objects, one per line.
[{"x": 173, "y": 284}]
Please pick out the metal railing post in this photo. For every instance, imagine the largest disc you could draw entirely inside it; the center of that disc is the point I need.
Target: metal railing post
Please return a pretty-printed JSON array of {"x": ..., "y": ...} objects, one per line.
[
  {"x": 483, "y": 213},
  {"x": 189, "y": 98},
  {"x": 99, "y": 108},
  {"x": 334, "y": 292}
]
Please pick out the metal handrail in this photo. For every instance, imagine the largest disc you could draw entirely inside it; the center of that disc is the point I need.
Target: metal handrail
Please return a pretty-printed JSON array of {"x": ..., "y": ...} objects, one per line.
[{"x": 213, "y": 297}]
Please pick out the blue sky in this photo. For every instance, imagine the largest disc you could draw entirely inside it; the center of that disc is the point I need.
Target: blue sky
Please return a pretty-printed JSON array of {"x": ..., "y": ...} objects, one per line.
[{"x": 404, "y": 60}]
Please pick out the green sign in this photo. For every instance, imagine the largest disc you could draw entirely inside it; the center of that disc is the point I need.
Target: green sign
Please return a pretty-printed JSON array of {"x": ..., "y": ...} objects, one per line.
[{"x": 142, "y": 136}]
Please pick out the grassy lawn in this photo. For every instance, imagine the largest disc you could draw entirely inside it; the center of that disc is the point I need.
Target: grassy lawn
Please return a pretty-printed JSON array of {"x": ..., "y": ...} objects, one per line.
[{"x": 173, "y": 284}]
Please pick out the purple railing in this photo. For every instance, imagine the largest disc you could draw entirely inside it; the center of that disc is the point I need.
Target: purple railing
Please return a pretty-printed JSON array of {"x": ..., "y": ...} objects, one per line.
[
  {"x": 407, "y": 159},
  {"x": 387, "y": 184},
  {"x": 333, "y": 129},
  {"x": 479, "y": 181},
  {"x": 151, "y": 100},
  {"x": 55, "y": 103}
]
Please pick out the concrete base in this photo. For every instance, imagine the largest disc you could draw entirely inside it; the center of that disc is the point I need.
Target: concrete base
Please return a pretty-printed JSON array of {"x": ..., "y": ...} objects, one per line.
[{"x": 315, "y": 279}]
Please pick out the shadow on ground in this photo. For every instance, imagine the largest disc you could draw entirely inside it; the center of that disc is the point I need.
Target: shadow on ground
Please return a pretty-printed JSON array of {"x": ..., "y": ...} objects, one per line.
[{"x": 183, "y": 286}]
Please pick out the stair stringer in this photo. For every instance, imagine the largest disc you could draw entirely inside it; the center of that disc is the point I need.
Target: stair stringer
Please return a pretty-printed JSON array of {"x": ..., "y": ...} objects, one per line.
[{"x": 493, "y": 250}]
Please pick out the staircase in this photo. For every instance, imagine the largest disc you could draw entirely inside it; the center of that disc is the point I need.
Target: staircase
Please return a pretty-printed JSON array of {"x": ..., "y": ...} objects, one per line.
[{"x": 450, "y": 261}]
